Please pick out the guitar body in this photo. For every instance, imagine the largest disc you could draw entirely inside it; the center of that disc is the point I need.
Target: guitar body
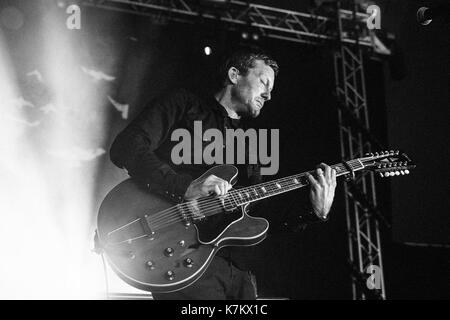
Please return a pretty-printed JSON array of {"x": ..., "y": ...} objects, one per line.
[{"x": 150, "y": 245}]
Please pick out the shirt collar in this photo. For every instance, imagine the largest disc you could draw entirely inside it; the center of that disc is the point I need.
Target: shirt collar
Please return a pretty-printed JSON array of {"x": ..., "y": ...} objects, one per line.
[{"x": 220, "y": 109}]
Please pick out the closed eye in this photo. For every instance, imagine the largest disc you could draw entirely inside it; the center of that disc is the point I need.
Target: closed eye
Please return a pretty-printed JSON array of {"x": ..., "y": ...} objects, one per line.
[{"x": 266, "y": 84}]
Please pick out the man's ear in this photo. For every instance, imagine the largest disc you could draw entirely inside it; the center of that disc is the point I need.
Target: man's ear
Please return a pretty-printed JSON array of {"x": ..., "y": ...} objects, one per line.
[{"x": 233, "y": 74}]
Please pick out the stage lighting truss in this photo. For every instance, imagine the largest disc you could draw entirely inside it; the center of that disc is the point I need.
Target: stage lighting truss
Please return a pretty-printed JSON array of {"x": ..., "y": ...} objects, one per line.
[
  {"x": 271, "y": 22},
  {"x": 363, "y": 217}
]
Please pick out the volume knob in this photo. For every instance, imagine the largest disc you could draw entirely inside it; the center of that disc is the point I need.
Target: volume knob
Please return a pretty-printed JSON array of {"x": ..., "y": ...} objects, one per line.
[
  {"x": 189, "y": 262},
  {"x": 170, "y": 275},
  {"x": 168, "y": 252},
  {"x": 150, "y": 265}
]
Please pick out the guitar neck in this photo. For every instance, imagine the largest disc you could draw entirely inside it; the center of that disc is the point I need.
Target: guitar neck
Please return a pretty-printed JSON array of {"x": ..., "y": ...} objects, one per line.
[{"x": 275, "y": 187}]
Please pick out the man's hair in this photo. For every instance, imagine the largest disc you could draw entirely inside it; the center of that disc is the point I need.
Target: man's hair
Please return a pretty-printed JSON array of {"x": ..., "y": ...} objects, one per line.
[{"x": 243, "y": 59}]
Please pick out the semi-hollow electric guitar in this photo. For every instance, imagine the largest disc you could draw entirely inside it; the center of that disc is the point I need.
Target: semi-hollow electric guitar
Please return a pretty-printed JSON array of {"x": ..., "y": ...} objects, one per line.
[{"x": 156, "y": 245}]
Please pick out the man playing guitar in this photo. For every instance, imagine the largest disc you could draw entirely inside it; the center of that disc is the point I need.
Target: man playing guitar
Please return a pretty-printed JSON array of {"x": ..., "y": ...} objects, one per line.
[{"x": 144, "y": 147}]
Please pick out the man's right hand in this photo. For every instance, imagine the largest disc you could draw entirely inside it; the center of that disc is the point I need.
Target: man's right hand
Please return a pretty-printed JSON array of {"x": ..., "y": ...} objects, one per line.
[{"x": 204, "y": 187}]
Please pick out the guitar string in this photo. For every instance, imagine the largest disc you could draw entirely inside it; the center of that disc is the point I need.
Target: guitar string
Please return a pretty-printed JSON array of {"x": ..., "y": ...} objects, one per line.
[
  {"x": 211, "y": 205},
  {"x": 253, "y": 188},
  {"x": 171, "y": 215},
  {"x": 218, "y": 210},
  {"x": 214, "y": 209},
  {"x": 235, "y": 192},
  {"x": 209, "y": 209},
  {"x": 268, "y": 185},
  {"x": 245, "y": 190},
  {"x": 210, "y": 212}
]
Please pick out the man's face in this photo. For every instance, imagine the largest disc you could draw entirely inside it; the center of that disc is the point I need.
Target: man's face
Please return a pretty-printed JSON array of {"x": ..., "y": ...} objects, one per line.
[{"x": 253, "y": 90}]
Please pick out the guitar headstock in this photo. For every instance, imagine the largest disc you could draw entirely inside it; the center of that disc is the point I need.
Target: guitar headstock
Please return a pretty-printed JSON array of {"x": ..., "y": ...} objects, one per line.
[{"x": 388, "y": 163}]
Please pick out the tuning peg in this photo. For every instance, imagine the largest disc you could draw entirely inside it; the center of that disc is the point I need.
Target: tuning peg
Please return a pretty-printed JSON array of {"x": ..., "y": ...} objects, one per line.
[
  {"x": 406, "y": 171},
  {"x": 381, "y": 174},
  {"x": 397, "y": 173},
  {"x": 402, "y": 172}
]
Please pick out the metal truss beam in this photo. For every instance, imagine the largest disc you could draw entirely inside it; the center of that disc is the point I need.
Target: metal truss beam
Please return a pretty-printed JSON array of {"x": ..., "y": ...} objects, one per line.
[
  {"x": 271, "y": 22},
  {"x": 360, "y": 195}
]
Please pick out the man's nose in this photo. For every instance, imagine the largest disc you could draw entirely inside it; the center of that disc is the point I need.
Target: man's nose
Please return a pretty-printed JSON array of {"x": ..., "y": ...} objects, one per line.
[{"x": 266, "y": 95}]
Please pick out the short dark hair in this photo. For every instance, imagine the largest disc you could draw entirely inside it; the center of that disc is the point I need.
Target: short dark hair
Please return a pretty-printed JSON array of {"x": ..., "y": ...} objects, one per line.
[{"x": 243, "y": 58}]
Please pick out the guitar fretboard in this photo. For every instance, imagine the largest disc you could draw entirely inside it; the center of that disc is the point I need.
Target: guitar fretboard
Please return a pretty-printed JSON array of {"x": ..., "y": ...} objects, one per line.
[{"x": 260, "y": 191}]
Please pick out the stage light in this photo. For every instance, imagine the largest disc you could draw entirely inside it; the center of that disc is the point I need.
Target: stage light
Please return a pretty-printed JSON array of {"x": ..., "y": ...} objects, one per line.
[
  {"x": 244, "y": 35},
  {"x": 48, "y": 166},
  {"x": 207, "y": 50},
  {"x": 250, "y": 35},
  {"x": 61, "y": 3}
]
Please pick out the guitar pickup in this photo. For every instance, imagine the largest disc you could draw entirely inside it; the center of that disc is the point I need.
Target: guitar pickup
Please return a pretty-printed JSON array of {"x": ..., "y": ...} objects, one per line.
[{"x": 190, "y": 211}]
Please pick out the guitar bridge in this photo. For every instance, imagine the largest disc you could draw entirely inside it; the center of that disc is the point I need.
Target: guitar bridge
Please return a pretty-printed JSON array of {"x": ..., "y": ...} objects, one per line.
[{"x": 146, "y": 226}]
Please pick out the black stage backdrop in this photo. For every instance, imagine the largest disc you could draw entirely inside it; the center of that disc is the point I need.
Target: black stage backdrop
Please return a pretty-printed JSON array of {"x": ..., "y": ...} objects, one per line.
[
  {"x": 417, "y": 260},
  {"x": 418, "y": 121}
]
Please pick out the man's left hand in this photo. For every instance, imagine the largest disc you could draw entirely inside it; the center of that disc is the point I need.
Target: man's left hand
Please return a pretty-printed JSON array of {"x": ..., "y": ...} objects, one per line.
[{"x": 322, "y": 189}]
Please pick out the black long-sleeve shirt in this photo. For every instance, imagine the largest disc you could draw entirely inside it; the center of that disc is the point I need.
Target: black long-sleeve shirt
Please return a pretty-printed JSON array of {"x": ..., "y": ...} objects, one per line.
[{"x": 144, "y": 147}]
